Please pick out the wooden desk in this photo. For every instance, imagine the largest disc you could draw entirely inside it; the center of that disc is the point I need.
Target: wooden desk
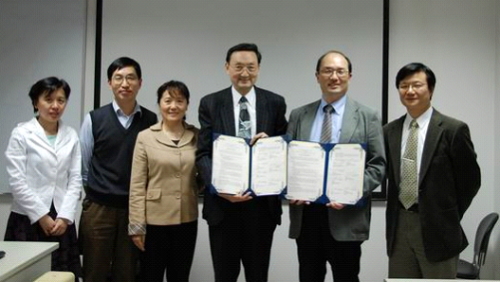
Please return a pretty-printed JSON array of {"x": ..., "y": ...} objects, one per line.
[{"x": 25, "y": 261}]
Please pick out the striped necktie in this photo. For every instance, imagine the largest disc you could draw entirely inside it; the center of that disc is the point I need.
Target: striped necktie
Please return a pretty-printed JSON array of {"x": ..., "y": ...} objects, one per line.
[{"x": 326, "y": 127}]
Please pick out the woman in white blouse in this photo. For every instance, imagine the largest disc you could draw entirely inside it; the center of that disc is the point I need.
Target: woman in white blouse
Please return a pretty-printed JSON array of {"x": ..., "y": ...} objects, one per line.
[{"x": 44, "y": 168}]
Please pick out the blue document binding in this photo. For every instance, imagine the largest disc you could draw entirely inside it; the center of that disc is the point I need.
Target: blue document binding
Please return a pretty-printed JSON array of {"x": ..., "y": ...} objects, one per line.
[{"x": 243, "y": 165}]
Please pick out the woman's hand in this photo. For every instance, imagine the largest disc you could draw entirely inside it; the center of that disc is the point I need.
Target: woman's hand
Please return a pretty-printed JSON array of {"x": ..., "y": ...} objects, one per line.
[
  {"x": 59, "y": 228},
  {"x": 47, "y": 224},
  {"x": 139, "y": 241}
]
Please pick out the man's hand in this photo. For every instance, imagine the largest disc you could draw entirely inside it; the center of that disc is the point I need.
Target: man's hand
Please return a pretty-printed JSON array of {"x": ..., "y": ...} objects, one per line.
[
  {"x": 299, "y": 202},
  {"x": 335, "y": 205},
  {"x": 237, "y": 198},
  {"x": 258, "y": 136}
]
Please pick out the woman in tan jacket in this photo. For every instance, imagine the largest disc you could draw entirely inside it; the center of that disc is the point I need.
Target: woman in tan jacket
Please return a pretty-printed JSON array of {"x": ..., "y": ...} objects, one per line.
[{"x": 163, "y": 206}]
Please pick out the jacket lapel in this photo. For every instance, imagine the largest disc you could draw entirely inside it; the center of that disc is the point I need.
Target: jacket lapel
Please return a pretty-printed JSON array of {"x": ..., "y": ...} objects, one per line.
[
  {"x": 227, "y": 113},
  {"x": 160, "y": 136},
  {"x": 434, "y": 132},
  {"x": 307, "y": 120},
  {"x": 349, "y": 121},
  {"x": 262, "y": 114},
  {"x": 396, "y": 132},
  {"x": 187, "y": 136},
  {"x": 38, "y": 130}
]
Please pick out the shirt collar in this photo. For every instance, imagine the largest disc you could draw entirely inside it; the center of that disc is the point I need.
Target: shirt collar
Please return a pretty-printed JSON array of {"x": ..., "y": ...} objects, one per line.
[
  {"x": 237, "y": 96},
  {"x": 119, "y": 111},
  {"x": 422, "y": 120},
  {"x": 338, "y": 105}
]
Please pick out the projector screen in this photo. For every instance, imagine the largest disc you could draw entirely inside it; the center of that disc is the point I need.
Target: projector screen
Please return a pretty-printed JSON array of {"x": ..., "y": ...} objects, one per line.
[{"x": 187, "y": 40}]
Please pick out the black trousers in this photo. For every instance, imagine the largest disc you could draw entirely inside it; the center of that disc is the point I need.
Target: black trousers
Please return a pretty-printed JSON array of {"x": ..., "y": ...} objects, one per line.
[
  {"x": 316, "y": 246},
  {"x": 244, "y": 236},
  {"x": 169, "y": 248}
]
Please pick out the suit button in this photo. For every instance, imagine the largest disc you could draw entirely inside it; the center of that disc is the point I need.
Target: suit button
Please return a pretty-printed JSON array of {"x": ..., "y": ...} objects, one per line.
[
  {"x": 178, "y": 196},
  {"x": 178, "y": 175}
]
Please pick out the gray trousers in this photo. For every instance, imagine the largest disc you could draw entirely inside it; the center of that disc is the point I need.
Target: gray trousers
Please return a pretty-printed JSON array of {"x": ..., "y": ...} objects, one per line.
[{"x": 408, "y": 257}]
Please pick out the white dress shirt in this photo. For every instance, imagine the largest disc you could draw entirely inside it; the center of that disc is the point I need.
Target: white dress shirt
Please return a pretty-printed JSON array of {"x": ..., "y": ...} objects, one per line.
[
  {"x": 41, "y": 173},
  {"x": 423, "y": 124},
  {"x": 251, "y": 107}
]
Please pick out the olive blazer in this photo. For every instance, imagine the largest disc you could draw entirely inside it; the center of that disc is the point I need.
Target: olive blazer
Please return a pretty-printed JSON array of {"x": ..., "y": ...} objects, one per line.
[
  {"x": 163, "y": 187},
  {"x": 449, "y": 179}
]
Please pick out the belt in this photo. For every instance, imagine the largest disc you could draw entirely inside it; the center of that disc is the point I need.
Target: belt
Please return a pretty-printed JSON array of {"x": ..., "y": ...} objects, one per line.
[{"x": 413, "y": 208}]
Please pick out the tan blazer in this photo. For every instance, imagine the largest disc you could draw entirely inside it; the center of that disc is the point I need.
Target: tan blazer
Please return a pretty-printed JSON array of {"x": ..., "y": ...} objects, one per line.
[{"x": 163, "y": 188}]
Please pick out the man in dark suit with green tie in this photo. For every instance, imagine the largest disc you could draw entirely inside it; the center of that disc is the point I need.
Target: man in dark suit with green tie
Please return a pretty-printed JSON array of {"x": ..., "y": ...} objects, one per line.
[
  {"x": 433, "y": 177},
  {"x": 241, "y": 227}
]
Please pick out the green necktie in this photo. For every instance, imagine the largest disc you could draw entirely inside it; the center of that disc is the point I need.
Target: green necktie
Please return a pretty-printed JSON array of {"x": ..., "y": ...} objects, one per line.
[{"x": 408, "y": 193}]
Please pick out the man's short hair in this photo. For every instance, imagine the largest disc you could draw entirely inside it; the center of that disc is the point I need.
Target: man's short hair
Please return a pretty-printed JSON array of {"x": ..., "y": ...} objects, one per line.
[
  {"x": 413, "y": 68},
  {"x": 244, "y": 47},
  {"x": 318, "y": 64},
  {"x": 124, "y": 62}
]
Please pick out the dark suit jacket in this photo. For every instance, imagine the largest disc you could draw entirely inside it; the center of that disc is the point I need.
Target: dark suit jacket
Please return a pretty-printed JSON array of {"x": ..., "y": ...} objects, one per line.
[
  {"x": 360, "y": 124},
  {"x": 216, "y": 115},
  {"x": 448, "y": 181}
]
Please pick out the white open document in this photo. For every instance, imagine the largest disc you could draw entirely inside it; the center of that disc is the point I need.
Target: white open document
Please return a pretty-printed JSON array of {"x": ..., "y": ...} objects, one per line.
[
  {"x": 238, "y": 167},
  {"x": 269, "y": 166},
  {"x": 346, "y": 171},
  {"x": 306, "y": 170},
  {"x": 314, "y": 171},
  {"x": 230, "y": 164}
]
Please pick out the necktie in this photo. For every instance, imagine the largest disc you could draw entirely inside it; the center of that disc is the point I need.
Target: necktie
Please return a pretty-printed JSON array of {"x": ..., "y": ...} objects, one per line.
[
  {"x": 326, "y": 127},
  {"x": 408, "y": 193},
  {"x": 245, "y": 125}
]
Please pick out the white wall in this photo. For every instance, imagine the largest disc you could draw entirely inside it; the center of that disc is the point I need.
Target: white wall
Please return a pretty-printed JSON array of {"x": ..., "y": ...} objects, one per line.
[
  {"x": 460, "y": 41},
  {"x": 37, "y": 41},
  {"x": 495, "y": 244}
]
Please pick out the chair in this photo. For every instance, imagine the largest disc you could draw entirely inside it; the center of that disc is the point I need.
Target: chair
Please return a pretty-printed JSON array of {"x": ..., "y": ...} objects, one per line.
[{"x": 467, "y": 270}]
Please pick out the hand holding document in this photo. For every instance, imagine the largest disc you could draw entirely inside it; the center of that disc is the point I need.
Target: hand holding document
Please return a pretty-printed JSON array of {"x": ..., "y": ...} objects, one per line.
[
  {"x": 315, "y": 170},
  {"x": 238, "y": 167},
  {"x": 310, "y": 171}
]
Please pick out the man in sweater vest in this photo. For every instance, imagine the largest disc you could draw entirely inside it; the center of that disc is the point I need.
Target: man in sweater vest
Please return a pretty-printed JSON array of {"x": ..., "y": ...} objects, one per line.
[{"x": 107, "y": 138}]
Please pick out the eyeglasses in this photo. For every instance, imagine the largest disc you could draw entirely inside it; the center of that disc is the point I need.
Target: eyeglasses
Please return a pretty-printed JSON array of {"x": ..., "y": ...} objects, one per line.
[
  {"x": 329, "y": 72},
  {"x": 415, "y": 86},
  {"x": 129, "y": 78},
  {"x": 241, "y": 68}
]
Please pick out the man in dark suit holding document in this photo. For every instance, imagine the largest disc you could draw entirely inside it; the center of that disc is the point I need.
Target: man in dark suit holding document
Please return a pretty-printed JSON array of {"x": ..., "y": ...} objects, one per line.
[
  {"x": 241, "y": 227},
  {"x": 334, "y": 232}
]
